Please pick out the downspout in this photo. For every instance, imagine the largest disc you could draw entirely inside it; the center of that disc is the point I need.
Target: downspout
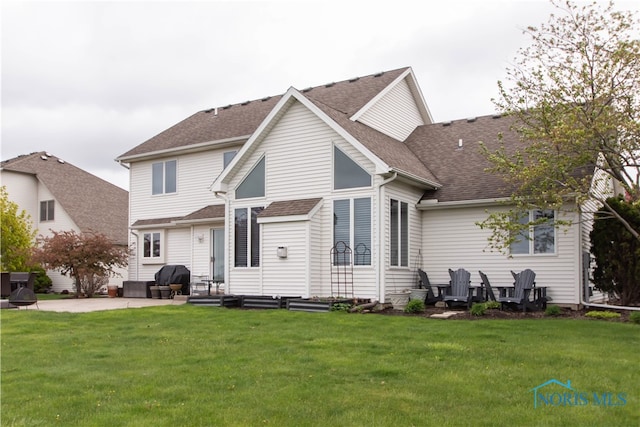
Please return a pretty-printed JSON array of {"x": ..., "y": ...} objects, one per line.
[
  {"x": 381, "y": 211},
  {"x": 137, "y": 252}
]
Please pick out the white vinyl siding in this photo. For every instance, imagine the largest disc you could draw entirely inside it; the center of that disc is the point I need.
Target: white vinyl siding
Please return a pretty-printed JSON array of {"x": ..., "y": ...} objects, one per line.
[
  {"x": 452, "y": 240},
  {"x": 286, "y": 276},
  {"x": 395, "y": 114}
]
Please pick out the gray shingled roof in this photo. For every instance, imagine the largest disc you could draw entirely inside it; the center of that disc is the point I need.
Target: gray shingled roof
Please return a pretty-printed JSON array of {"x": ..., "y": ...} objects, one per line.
[
  {"x": 92, "y": 203},
  {"x": 461, "y": 171},
  {"x": 241, "y": 120},
  {"x": 289, "y": 208},
  {"x": 207, "y": 213}
]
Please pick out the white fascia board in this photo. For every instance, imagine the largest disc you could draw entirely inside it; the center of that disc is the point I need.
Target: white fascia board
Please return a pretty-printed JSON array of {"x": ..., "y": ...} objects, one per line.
[
  {"x": 197, "y": 221},
  {"x": 283, "y": 218},
  {"x": 434, "y": 204},
  {"x": 414, "y": 178},
  {"x": 415, "y": 90},
  {"x": 192, "y": 148}
]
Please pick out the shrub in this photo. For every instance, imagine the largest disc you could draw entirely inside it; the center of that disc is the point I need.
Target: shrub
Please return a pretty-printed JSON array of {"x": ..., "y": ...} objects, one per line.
[
  {"x": 552, "y": 310},
  {"x": 478, "y": 309},
  {"x": 603, "y": 314},
  {"x": 340, "y": 306},
  {"x": 42, "y": 282},
  {"x": 414, "y": 306},
  {"x": 492, "y": 305},
  {"x": 635, "y": 317}
]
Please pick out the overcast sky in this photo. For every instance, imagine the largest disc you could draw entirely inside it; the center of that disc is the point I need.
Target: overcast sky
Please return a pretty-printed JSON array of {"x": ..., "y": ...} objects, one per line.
[{"x": 87, "y": 81}]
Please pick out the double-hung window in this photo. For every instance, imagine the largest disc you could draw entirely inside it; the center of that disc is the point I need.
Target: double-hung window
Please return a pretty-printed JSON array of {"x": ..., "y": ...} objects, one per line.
[
  {"x": 399, "y": 233},
  {"x": 538, "y": 239},
  {"x": 247, "y": 237},
  {"x": 47, "y": 210},
  {"x": 352, "y": 226},
  {"x": 164, "y": 177}
]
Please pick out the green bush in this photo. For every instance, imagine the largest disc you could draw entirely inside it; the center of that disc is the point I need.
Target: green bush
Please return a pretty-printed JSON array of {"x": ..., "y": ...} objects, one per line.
[
  {"x": 42, "y": 281},
  {"x": 341, "y": 306},
  {"x": 552, "y": 310},
  {"x": 635, "y": 317},
  {"x": 603, "y": 314},
  {"x": 478, "y": 309},
  {"x": 414, "y": 306},
  {"x": 492, "y": 305}
]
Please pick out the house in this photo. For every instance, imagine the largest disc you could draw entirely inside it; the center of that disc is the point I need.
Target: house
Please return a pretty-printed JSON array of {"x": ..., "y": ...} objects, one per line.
[
  {"x": 257, "y": 194},
  {"x": 62, "y": 197}
]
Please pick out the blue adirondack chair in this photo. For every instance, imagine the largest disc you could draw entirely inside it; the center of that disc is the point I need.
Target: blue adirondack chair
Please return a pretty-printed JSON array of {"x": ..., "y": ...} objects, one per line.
[
  {"x": 459, "y": 290},
  {"x": 525, "y": 282}
]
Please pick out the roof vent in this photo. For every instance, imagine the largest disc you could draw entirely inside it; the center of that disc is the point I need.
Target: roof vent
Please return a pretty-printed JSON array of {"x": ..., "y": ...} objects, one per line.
[
  {"x": 497, "y": 116},
  {"x": 378, "y": 74},
  {"x": 61, "y": 161},
  {"x": 245, "y": 102},
  {"x": 266, "y": 98},
  {"x": 471, "y": 119},
  {"x": 446, "y": 123},
  {"x": 307, "y": 89},
  {"x": 47, "y": 154},
  {"x": 355, "y": 79},
  {"x": 44, "y": 157},
  {"x": 227, "y": 107},
  {"x": 329, "y": 84}
]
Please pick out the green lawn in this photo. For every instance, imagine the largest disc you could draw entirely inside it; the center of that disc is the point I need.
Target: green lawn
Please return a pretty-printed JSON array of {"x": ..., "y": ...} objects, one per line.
[{"x": 202, "y": 366}]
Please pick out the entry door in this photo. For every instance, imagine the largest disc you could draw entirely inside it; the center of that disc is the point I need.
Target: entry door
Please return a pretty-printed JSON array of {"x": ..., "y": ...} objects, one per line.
[{"x": 217, "y": 254}]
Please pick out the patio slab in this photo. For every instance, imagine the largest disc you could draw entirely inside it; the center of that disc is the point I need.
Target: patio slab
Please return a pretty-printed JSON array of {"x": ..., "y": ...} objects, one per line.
[
  {"x": 445, "y": 315},
  {"x": 85, "y": 305}
]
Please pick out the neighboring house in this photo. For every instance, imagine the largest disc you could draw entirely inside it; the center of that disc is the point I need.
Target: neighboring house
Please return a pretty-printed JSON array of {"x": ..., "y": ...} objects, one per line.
[
  {"x": 61, "y": 197},
  {"x": 257, "y": 194}
]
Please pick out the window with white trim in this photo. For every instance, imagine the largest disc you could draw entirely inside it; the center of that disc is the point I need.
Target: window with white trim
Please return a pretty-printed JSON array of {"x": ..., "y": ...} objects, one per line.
[
  {"x": 399, "y": 233},
  {"x": 538, "y": 239},
  {"x": 227, "y": 157},
  {"x": 347, "y": 173},
  {"x": 152, "y": 247},
  {"x": 164, "y": 177},
  {"x": 247, "y": 237},
  {"x": 352, "y": 225},
  {"x": 253, "y": 184},
  {"x": 47, "y": 210}
]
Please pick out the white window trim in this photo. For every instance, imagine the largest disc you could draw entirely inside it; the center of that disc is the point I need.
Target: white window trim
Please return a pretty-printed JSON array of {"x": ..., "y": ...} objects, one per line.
[
  {"x": 164, "y": 168},
  {"x": 399, "y": 266},
  {"x": 531, "y": 241},
  {"x": 249, "y": 238},
  {"x": 151, "y": 259},
  {"x": 352, "y": 229}
]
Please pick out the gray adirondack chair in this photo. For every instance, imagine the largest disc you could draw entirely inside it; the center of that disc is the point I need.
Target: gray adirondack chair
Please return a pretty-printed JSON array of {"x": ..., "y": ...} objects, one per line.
[
  {"x": 459, "y": 290},
  {"x": 523, "y": 287},
  {"x": 424, "y": 283},
  {"x": 487, "y": 287}
]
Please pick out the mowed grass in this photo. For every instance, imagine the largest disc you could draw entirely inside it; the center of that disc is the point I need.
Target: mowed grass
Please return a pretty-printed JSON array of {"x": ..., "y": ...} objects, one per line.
[{"x": 203, "y": 366}]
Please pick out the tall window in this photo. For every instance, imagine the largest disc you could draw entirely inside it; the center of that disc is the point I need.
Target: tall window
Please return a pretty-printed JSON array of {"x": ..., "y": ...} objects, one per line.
[
  {"x": 152, "y": 248},
  {"x": 538, "y": 239},
  {"x": 352, "y": 225},
  {"x": 47, "y": 210},
  {"x": 399, "y": 226},
  {"x": 347, "y": 173},
  {"x": 163, "y": 177},
  {"x": 253, "y": 184},
  {"x": 247, "y": 237}
]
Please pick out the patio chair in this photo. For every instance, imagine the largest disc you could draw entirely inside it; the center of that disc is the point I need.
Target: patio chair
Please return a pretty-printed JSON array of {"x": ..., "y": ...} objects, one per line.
[
  {"x": 425, "y": 284},
  {"x": 523, "y": 287},
  {"x": 490, "y": 296},
  {"x": 459, "y": 290}
]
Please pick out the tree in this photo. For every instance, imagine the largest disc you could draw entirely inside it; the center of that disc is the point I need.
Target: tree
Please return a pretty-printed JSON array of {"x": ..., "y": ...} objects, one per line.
[
  {"x": 17, "y": 235},
  {"x": 89, "y": 258},
  {"x": 574, "y": 95},
  {"x": 617, "y": 253}
]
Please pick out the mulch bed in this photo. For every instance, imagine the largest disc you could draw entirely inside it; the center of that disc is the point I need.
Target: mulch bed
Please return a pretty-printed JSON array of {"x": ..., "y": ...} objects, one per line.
[{"x": 565, "y": 313}]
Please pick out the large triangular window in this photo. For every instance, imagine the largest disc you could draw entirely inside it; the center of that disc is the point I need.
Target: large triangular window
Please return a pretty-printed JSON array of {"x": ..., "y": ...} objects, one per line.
[
  {"x": 253, "y": 184},
  {"x": 347, "y": 173}
]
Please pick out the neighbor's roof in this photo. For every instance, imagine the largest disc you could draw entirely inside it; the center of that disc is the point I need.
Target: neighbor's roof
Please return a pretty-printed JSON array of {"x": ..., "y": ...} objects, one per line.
[
  {"x": 239, "y": 121},
  {"x": 92, "y": 203},
  {"x": 462, "y": 169}
]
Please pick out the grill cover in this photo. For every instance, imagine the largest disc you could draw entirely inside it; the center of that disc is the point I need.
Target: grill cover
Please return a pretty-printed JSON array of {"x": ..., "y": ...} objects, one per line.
[{"x": 173, "y": 274}]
